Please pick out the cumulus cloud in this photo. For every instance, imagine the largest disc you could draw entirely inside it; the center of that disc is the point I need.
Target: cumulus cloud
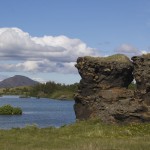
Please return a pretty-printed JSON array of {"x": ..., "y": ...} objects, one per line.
[
  {"x": 36, "y": 54},
  {"x": 144, "y": 52},
  {"x": 130, "y": 50},
  {"x": 127, "y": 49}
]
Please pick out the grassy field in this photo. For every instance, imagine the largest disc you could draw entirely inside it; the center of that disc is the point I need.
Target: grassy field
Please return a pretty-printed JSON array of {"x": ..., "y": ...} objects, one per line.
[{"x": 85, "y": 135}]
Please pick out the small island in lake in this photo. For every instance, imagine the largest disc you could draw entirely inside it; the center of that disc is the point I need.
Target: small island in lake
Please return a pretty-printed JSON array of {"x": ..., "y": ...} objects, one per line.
[{"x": 10, "y": 110}]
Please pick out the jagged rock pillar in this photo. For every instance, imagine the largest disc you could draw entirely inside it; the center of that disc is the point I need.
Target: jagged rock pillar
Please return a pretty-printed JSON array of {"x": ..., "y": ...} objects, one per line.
[{"x": 104, "y": 81}]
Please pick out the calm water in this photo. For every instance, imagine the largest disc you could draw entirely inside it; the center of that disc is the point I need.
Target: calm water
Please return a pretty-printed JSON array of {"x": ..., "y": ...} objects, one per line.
[{"x": 42, "y": 112}]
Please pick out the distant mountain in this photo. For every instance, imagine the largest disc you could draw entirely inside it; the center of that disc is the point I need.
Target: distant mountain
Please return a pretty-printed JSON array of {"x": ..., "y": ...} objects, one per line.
[{"x": 16, "y": 81}]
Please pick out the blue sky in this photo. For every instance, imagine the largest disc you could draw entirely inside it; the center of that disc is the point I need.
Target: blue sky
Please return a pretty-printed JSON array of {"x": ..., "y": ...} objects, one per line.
[{"x": 43, "y": 38}]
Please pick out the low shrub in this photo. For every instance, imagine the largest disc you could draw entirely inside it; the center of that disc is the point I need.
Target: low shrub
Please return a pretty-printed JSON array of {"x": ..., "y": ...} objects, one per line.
[
  {"x": 9, "y": 110},
  {"x": 17, "y": 111}
]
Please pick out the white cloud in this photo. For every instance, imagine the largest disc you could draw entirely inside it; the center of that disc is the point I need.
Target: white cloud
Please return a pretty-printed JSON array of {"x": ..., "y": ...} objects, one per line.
[
  {"x": 40, "y": 66},
  {"x": 127, "y": 49},
  {"x": 28, "y": 66},
  {"x": 144, "y": 52},
  {"x": 130, "y": 50},
  {"x": 39, "y": 79},
  {"x": 47, "y": 53}
]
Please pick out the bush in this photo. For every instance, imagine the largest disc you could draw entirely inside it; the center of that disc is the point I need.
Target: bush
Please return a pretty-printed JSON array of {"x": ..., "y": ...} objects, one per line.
[
  {"x": 17, "y": 111},
  {"x": 9, "y": 110}
]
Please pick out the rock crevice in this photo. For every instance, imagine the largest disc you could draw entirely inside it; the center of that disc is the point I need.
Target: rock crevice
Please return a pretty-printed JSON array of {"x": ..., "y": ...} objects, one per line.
[{"x": 103, "y": 90}]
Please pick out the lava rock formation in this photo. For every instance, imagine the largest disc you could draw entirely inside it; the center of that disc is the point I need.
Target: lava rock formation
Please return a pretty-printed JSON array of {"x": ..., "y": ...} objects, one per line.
[{"x": 103, "y": 90}]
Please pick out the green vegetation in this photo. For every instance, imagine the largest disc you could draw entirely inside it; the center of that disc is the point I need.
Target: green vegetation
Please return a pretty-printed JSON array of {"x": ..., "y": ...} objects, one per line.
[
  {"x": 48, "y": 90},
  {"x": 85, "y": 135},
  {"x": 9, "y": 110},
  {"x": 23, "y": 91},
  {"x": 54, "y": 90},
  {"x": 132, "y": 86},
  {"x": 116, "y": 57}
]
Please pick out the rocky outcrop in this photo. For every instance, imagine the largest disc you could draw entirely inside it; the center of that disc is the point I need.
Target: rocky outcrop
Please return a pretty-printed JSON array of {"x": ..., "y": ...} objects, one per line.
[
  {"x": 142, "y": 71},
  {"x": 142, "y": 76},
  {"x": 103, "y": 91}
]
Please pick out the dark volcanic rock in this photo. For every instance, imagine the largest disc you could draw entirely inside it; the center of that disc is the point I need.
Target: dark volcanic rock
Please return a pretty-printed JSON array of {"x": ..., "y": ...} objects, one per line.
[
  {"x": 142, "y": 76},
  {"x": 105, "y": 73},
  {"x": 142, "y": 71},
  {"x": 103, "y": 91}
]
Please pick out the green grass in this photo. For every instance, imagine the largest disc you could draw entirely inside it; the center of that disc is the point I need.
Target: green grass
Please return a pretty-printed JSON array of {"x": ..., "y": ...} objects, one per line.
[
  {"x": 60, "y": 94},
  {"x": 85, "y": 135},
  {"x": 117, "y": 58}
]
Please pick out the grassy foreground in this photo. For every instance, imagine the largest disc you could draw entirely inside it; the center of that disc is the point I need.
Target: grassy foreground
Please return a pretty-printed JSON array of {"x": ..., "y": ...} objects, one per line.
[{"x": 89, "y": 135}]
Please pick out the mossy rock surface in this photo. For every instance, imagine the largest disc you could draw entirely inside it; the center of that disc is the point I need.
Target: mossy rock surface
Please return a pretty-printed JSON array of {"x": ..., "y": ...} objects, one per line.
[{"x": 113, "y": 58}]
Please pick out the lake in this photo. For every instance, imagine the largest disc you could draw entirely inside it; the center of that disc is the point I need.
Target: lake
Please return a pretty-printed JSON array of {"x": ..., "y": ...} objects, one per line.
[{"x": 43, "y": 112}]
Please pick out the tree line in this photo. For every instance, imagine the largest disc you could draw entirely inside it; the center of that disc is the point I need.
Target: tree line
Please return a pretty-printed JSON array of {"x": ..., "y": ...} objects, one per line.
[
  {"x": 53, "y": 90},
  {"x": 44, "y": 90}
]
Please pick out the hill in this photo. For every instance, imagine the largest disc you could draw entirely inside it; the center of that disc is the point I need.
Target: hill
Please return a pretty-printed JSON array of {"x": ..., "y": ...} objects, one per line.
[{"x": 16, "y": 81}]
